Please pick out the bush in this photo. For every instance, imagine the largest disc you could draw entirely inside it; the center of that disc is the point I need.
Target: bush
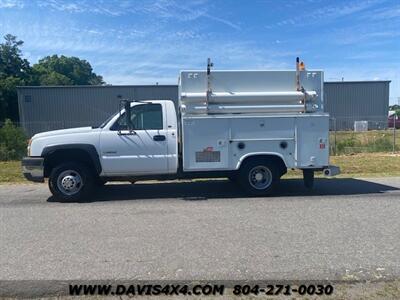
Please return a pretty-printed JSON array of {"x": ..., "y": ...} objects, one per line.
[
  {"x": 347, "y": 143},
  {"x": 12, "y": 142},
  {"x": 381, "y": 144},
  {"x": 372, "y": 141}
]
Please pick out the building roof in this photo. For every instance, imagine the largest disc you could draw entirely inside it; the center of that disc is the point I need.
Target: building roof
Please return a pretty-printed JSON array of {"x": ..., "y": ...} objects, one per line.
[
  {"x": 169, "y": 85},
  {"x": 359, "y": 81},
  {"x": 94, "y": 86}
]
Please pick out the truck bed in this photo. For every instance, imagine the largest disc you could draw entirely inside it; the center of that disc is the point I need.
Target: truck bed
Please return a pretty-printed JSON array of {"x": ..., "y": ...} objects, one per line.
[{"x": 221, "y": 142}]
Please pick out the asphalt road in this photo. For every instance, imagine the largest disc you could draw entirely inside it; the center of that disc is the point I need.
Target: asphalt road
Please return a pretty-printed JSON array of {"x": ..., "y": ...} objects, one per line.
[{"x": 345, "y": 229}]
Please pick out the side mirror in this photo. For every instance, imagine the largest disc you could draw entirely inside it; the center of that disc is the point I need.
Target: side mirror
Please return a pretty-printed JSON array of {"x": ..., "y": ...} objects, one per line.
[
  {"x": 128, "y": 130},
  {"x": 127, "y": 106}
]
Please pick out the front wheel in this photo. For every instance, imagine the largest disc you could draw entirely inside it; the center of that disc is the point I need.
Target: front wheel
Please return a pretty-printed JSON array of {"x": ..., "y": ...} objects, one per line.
[
  {"x": 259, "y": 177},
  {"x": 71, "y": 182}
]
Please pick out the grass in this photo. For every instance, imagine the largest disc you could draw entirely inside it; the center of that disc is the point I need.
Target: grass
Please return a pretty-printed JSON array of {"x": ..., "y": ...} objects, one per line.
[
  {"x": 348, "y": 142},
  {"x": 10, "y": 172},
  {"x": 368, "y": 164},
  {"x": 355, "y": 165},
  {"x": 362, "y": 165}
]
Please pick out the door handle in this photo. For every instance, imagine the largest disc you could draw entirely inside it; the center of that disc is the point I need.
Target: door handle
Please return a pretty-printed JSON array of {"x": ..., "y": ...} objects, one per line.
[
  {"x": 159, "y": 138},
  {"x": 126, "y": 132}
]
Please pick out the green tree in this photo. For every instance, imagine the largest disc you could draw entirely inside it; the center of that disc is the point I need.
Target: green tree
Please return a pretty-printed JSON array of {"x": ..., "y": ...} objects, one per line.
[
  {"x": 14, "y": 71},
  {"x": 396, "y": 108},
  {"x": 51, "y": 70},
  {"x": 12, "y": 141},
  {"x": 63, "y": 70}
]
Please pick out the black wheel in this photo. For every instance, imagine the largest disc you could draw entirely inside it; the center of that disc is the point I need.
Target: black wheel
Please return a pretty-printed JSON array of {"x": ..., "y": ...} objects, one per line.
[
  {"x": 71, "y": 182},
  {"x": 259, "y": 177},
  {"x": 308, "y": 177}
]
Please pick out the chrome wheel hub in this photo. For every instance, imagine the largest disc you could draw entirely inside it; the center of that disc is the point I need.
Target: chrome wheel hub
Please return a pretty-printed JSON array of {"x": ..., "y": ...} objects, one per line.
[
  {"x": 69, "y": 182},
  {"x": 260, "y": 177}
]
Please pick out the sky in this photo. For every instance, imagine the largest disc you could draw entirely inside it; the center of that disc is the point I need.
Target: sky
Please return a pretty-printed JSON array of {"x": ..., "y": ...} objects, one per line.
[{"x": 149, "y": 41}]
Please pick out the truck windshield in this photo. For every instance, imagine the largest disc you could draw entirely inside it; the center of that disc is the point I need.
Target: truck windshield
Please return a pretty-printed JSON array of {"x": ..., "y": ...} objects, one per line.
[{"x": 108, "y": 120}]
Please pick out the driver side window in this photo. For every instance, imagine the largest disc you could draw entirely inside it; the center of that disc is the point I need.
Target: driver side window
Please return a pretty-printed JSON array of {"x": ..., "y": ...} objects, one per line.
[{"x": 143, "y": 117}]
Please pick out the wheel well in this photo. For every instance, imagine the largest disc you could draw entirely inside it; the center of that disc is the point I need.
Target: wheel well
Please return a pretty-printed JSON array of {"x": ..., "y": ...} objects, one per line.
[
  {"x": 57, "y": 157},
  {"x": 277, "y": 160}
]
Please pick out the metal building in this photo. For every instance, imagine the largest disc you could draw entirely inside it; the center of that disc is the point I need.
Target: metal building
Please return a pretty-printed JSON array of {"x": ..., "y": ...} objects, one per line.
[
  {"x": 56, "y": 107},
  {"x": 49, "y": 108},
  {"x": 350, "y": 101}
]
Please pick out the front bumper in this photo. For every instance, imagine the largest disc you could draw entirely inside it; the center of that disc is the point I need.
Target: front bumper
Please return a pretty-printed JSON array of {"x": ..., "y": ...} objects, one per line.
[{"x": 33, "y": 169}]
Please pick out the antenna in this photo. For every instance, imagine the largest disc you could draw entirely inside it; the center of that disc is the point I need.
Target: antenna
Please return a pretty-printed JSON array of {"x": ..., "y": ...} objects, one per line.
[
  {"x": 209, "y": 91},
  {"x": 297, "y": 74},
  {"x": 209, "y": 66}
]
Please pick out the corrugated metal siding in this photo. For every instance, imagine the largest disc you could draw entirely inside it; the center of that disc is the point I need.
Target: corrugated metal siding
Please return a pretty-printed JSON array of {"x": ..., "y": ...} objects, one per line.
[
  {"x": 50, "y": 108},
  {"x": 348, "y": 102}
]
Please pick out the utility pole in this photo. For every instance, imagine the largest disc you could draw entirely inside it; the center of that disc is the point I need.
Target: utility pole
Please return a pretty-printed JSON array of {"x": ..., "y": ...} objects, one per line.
[{"x": 394, "y": 132}]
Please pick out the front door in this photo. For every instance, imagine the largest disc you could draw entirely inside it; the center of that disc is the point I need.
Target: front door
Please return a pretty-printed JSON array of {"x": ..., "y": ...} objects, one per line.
[{"x": 141, "y": 151}]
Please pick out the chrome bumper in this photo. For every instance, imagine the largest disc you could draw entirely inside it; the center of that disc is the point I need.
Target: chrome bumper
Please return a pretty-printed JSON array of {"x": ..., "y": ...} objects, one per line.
[{"x": 33, "y": 169}]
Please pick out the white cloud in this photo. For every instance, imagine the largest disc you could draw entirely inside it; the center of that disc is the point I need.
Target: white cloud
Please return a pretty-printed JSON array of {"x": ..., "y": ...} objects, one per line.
[
  {"x": 11, "y": 4},
  {"x": 383, "y": 13},
  {"x": 83, "y": 6},
  {"x": 160, "y": 9},
  {"x": 326, "y": 13},
  {"x": 377, "y": 37},
  {"x": 166, "y": 36},
  {"x": 117, "y": 79},
  {"x": 367, "y": 55}
]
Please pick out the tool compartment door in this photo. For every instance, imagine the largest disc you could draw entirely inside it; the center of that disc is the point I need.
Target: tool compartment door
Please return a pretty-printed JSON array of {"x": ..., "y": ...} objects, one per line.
[
  {"x": 312, "y": 145},
  {"x": 205, "y": 144}
]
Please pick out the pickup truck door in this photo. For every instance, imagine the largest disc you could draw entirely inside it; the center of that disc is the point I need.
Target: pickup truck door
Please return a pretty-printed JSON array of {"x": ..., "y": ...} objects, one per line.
[{"x": 141, "y": 151}]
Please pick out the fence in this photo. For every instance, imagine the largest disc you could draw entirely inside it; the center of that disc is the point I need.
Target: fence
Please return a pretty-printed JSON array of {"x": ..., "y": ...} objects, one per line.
[
  {"x": 377, "y": 137},
  {"x": 347, "y": 123}
]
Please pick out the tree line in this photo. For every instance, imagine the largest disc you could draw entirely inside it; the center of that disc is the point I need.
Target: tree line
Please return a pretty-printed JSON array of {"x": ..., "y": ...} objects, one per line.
[{"x": 50, "y": 70}]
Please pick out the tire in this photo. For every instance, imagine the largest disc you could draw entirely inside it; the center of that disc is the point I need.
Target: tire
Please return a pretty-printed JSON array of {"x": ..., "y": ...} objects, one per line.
[
  {"x": 71, "y": 181},
  {"x": 308, "y": 178},
  {"x": 234, "y": 178},
  {"x": 100, "y": 182},
  {"x": 259, "y": 177}
]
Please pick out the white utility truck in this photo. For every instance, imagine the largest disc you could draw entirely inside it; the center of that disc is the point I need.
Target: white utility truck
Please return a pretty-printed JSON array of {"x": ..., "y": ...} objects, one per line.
[{"x": 248, "y": 126}]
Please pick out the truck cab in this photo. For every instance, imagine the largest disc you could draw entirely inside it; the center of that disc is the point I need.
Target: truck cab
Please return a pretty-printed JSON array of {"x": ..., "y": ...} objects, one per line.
[
  {"x": 81, "y": 157},
  {"x": 148, "y": 145}
]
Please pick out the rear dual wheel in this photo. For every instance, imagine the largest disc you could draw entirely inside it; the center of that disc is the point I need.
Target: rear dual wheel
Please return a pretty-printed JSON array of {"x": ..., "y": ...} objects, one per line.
[{"x": 259, "y": 177}]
